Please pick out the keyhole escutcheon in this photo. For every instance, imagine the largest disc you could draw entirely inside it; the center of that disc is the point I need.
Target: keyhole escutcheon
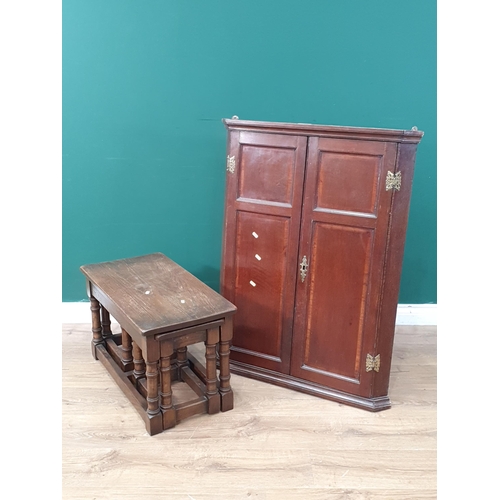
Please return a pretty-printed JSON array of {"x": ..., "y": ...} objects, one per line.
[{"x": 303, "y": 268}]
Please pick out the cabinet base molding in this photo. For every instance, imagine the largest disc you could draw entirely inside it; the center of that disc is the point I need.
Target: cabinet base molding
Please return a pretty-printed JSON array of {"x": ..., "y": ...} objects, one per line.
[{"x": 283, "y": 380}]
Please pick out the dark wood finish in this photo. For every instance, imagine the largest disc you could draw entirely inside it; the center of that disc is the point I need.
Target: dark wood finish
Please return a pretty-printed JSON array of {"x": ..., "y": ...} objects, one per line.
[
  {"x": 259, "y": 263},
  {"x": 213, "y": 338},
  {"x": 167, "y": 407},
  {"x": 318, "y": 192},
  {"x": 138, "y": 360},
  {"x": 394, "y": 263},
  {"x": 152, "y": 353},
  {"x": 127, "y": 358},
  {"x": 114, "y": 348},
  {"x": 155, "y": 293},
  {"x": 182, "y": 360},
  {"x": 105, "y": 323},
  {"x": 225, "y": 375},
  {"x": 179, "y": 333},
  {"x": 309, "y": 129},
  {"x": 97, "y": 338},
  {"x": 344, "y": 226}
]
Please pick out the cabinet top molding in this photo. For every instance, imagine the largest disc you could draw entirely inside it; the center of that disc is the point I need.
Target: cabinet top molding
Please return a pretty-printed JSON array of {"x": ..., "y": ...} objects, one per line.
[{"x": 373, "y": 134}]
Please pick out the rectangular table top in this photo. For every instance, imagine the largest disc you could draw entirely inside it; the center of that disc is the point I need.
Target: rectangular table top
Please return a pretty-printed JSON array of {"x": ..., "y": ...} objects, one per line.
[{"x": 155, "y": 294}]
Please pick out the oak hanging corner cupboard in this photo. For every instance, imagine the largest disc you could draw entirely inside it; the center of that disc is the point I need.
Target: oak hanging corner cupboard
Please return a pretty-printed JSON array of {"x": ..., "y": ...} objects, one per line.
[{"x": 314, "y": 230}]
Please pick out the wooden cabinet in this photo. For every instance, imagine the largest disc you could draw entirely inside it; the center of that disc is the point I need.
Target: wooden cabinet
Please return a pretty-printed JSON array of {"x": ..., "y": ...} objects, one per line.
[{"x": 314, "y": 230}]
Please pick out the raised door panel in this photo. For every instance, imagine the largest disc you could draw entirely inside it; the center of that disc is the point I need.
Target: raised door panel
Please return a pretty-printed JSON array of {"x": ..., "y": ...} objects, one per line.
[
  {"x": 264, "y": 189},
  {"x": 266, "y": 174},
  {"x": 259, "y": 274},
  {"x": 344, "y": 231}
]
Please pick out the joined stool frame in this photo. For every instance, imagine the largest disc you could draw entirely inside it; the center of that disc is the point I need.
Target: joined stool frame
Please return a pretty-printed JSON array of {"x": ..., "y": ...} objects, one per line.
[{"x": 152, "y": 350}]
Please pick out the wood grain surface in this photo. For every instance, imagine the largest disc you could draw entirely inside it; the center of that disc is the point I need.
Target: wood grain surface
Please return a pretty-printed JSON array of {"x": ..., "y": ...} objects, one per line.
[
  {"x": 154, "y": 294},
  {"x": 275, "y": 444},
  {"x": 312, "y": 254}
]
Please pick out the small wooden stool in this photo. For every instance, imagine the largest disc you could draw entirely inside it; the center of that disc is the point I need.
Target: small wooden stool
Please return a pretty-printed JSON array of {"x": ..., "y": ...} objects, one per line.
[{"x": 162, "y": 309}]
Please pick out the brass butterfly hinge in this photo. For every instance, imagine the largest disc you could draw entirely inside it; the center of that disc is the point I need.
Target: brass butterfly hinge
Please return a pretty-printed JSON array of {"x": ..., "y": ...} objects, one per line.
[
  {"x": 231, "y": 164},
  {"x": 303, "y": 268},
  {"x": 372, "y": 363},
  {"x": 393, "y": 181}
]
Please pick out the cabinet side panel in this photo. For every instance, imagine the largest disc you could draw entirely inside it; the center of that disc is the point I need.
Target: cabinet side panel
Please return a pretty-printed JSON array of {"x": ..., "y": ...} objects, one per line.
[
  {"x": 394, "y": 263},
  {"x": 227, "y": 270}
]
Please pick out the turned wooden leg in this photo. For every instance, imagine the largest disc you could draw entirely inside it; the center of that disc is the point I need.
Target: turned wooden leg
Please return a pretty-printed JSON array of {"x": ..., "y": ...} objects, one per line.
[
  {"x": 211, "y": 367},
  {"x": 226, "y": 393},
  {"x": 97, "y": 338},
  {"x": 105, "y": 323},
  {"x": 126, "y": 350},
  {"x": 139, "y": 365},
  {"x": 166, "y": 406},
  {"x": 151, "y": 354},
  {"x": 182, "y": 361},
  {"x": 152, "y": 384},
  {"x": 152, "y": 387}
]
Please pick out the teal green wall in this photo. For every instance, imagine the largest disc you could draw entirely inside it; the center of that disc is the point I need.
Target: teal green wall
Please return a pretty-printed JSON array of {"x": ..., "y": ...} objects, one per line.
[{"x": 146, "y": 84}]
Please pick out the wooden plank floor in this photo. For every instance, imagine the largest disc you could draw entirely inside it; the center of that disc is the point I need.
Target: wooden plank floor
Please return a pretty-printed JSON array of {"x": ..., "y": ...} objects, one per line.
[{"x": 275, "y": 443}]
